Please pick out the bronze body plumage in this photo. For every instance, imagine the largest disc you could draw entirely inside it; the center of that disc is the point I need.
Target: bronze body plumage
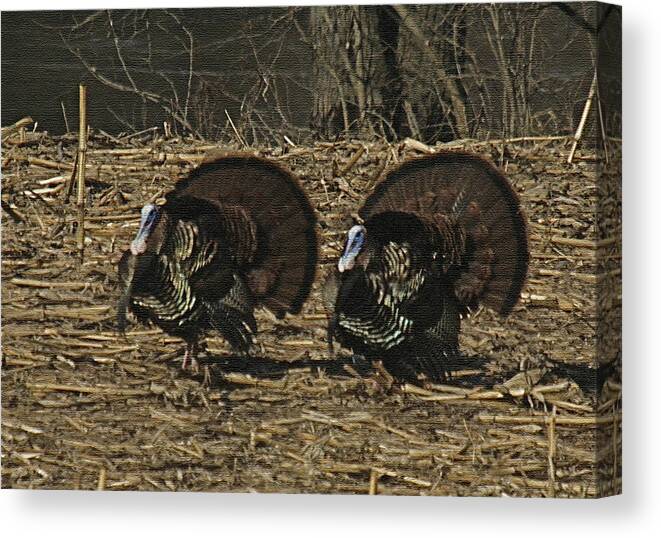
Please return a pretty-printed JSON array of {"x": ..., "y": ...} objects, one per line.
[
  {"x": 439, "y": 236},
  {"x": 237, "y": 233}
]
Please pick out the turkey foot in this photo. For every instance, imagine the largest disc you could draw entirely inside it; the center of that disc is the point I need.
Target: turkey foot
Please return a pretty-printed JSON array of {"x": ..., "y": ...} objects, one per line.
[
  {"x": 190, "y": 358},
  {"x": 381, "y": 381}
]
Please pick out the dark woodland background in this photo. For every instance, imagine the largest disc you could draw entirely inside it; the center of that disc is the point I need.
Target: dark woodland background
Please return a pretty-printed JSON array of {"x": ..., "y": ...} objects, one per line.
[{"x": 433, "y": 72}]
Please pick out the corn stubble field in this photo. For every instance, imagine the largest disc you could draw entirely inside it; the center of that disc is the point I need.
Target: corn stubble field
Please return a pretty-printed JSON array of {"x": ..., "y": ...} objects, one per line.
[{"x": 85, "y": 408}]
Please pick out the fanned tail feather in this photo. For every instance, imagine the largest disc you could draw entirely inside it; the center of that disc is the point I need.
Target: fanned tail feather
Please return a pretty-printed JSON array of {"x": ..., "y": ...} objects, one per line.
[
  {"x": 464, "y": 191},
  {"x": 285, "y": 262}
]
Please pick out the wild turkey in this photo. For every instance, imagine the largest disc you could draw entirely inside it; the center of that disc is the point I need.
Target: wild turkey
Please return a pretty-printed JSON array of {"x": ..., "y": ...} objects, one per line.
[
  {"x": 237, "y": 233},
  {"x": 439, "y": 235}
]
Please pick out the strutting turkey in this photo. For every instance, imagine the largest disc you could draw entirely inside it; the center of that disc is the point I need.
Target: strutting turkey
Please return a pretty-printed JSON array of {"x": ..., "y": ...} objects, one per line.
[
  {"x": 439, "y": 236},
  {"x": 237, "y": 233}
]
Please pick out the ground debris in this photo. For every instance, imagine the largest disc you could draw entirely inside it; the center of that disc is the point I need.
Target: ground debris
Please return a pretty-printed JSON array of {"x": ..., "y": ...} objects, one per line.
[{"x": 84, "y": 407}]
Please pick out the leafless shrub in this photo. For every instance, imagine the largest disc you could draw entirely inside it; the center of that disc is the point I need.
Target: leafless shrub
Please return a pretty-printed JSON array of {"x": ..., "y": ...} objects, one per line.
[{"x": 433, "y": 72}]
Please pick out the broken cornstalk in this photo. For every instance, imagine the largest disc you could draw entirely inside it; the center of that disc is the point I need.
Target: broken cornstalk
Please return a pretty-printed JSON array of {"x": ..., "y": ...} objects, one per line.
[
  {"x": 584, "y": 117},
  {"x": 80, "y": 170}
]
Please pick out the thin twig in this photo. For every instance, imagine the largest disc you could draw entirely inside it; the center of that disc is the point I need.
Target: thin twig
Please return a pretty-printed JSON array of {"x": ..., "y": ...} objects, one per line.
[
  {"x": 584, "y": 117},
  {"x": 82, "y": 150}
]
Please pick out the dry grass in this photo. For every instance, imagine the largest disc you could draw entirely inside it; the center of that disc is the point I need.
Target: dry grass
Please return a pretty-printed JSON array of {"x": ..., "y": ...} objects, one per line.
[{"x": 84, "y": 408}]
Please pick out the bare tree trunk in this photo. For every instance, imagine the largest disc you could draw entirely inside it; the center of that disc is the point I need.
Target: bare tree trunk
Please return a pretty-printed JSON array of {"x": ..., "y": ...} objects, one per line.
[
  {"x": 411, "y": 22},
  {"x": 360, "y": 80},
  {"x": 347, "y": 69},
  {"x": 393, "y": 101}
]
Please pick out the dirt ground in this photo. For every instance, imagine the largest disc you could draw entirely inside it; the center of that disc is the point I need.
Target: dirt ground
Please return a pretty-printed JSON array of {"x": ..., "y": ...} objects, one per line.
[{"x": 84, "y": 408}]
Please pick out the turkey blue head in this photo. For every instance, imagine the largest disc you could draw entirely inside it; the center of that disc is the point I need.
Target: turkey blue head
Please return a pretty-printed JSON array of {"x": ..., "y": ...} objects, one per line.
[
  {"x": 352, "y": 248},
  {"x": 148, "y": 219}
]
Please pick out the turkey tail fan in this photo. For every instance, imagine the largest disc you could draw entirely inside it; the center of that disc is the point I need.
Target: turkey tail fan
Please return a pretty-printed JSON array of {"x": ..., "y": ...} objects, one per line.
[
  {"x": 282, "y": 273},
  {"x": 465, "y": 190}
]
